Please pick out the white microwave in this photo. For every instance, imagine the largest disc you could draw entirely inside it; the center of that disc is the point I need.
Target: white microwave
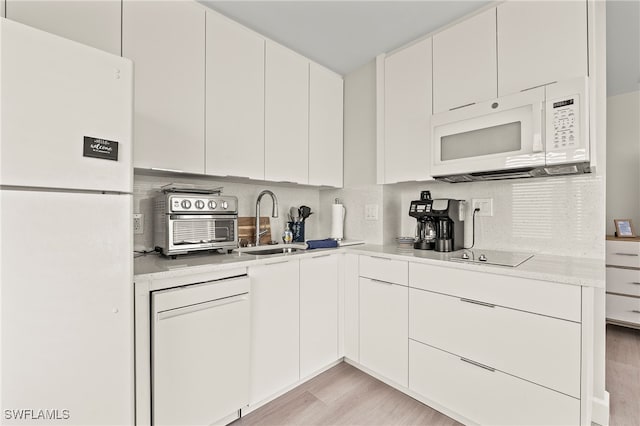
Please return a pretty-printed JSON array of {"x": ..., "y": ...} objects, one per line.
[{"x": 542, "y": 131}]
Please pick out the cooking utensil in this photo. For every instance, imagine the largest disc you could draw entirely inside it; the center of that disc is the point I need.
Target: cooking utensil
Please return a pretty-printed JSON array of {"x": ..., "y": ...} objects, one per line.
[
  {"x": 293, "y": 214},
  {"x": 305, "y": 212}
]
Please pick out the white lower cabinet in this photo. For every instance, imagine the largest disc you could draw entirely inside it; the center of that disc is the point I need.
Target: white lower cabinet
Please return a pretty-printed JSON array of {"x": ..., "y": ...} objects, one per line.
[
  {"x": 497, "y": 349},
  {"x": 351, "y": 307},
  {"x": 623, "y": 281},
  {"x": 384, "y": 328},
  {"x": 484, "y": 395},
  {"x": 318, "y": 313},
  {"x": 534, "y": 347},
  {"x": 623, "y": 309},
  {"x": 275, "y": 328}
]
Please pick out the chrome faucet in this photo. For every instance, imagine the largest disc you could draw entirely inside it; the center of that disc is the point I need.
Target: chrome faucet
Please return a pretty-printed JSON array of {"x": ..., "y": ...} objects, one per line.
[{"x": 274, "y": 213}]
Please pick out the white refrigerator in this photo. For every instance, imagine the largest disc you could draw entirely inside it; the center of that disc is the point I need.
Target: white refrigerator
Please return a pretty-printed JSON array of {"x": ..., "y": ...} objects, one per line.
[{"x": 66, "y": 293}]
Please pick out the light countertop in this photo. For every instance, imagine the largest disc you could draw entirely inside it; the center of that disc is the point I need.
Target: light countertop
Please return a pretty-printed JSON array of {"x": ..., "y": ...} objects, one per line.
[{"x": 561, "y": 269}]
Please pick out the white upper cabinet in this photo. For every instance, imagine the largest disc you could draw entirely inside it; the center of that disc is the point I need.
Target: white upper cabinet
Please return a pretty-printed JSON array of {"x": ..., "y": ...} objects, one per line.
[
  {"x": 540, "y": 42},
  {"x": 407, "y": 113},
  {"x": 464, "y": 63},
  {"x": 166, "y": 41},
  {"x": 286, "y": 115},
  {"x": 235, "y": 99},
  {"x": 3, "y": 3},
  {"x": 325, "y": 127},
  {"x": 95, "y": 23}
]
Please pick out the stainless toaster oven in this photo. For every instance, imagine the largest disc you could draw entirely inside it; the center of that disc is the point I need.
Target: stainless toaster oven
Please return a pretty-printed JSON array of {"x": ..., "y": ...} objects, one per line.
[{"x": 189, "y": 222}]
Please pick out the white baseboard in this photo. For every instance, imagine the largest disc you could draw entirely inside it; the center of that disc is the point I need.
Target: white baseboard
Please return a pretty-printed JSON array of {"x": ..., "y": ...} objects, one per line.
[{"x": 600, "y": 414}]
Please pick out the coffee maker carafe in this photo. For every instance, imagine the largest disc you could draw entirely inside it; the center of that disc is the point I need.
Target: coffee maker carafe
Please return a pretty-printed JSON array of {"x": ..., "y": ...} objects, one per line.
[
  {"x": 448, "y": 216},
  {"x": 425, "y": 228}
]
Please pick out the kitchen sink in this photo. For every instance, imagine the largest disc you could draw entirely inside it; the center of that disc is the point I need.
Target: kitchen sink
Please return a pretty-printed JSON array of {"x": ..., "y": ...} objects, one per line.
[
  {"x": 276, "y": 251},
  {"x": 272, "y": 249}
]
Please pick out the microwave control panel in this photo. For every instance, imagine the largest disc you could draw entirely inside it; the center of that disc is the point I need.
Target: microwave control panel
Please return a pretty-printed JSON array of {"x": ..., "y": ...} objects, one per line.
[{"x": 565, "y": 123}]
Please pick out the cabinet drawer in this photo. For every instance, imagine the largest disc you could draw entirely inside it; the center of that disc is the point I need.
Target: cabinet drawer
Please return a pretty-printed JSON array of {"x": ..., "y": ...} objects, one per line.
[
  {"x": 623, "y": 253},
  {"x": 484, "y": 396},
  {"x": 542, "y": 297},
  {"x": 623, "y": 308},
  {"x": 534, "y": 347},
  {"x": 623, "y": 281},
  {"x": 384, "y": 269}
]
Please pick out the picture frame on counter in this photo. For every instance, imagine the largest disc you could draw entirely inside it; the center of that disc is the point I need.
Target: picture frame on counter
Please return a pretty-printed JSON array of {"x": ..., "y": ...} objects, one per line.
[{"x": 624, "y": 228}]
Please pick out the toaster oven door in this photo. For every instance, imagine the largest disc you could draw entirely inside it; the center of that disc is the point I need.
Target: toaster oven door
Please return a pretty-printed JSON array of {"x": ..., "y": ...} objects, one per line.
[{"x": 201, "y": 232}]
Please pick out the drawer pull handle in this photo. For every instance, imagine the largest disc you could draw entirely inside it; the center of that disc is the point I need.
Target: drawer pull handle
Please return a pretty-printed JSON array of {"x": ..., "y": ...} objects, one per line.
[
  {"x": 477, "y": 302},
  {"x": 627, "y": 254},
  {"x": 477, "y": 364},
  {"x": 635, "y": 311},
  {"x": 276, "y": 263},
  {"x": 380, "y": 282},
  {"x": 634, "y": 282},
  {"x": 380, "y": 257},
  {"x": 321, "y": 255}
]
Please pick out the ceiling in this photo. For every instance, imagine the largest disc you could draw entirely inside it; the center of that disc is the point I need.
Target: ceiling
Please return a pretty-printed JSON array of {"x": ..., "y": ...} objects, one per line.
[{"x": 344, "y": 35}]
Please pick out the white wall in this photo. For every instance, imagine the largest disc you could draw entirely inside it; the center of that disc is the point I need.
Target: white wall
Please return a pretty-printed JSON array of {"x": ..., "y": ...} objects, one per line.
[
  {"x": 360, "y": 186},
  {"x": 146, "y": 186},
  {"x": 623, "y": 159}
]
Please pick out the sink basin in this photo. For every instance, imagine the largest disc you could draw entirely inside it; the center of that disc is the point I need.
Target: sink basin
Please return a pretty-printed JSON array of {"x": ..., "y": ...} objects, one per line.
[
  {"x": 275, "y": 251},
  {"x": 271, "y": 249}
]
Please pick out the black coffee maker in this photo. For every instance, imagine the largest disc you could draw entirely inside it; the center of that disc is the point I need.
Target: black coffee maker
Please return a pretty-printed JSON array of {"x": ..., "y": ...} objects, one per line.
[
  {"x": 448, "y": 217},
  {"x": 425, "y": 229}
]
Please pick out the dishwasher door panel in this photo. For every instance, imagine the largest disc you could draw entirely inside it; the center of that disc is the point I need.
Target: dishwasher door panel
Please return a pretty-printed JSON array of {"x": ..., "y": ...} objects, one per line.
[{"x": 200, "y": 358}]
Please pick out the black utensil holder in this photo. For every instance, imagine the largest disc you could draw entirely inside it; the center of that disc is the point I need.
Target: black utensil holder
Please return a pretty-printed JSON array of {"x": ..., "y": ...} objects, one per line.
[{"x": 298, "y": 231}]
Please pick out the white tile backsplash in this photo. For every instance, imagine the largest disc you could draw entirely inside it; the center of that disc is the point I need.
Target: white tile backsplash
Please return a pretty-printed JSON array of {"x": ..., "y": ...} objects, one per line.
[
  {"x": 146, "y": 186},
  {"x": 354, "y": 200},
  {"x": 559, "y": 215}
]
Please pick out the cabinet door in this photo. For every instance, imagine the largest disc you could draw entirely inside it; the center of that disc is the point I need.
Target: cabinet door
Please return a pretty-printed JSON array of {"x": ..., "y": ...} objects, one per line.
[
  {"x": 235, "y": 100},
  {"x": 351, "y": 308},
  {"x": 407, "y": 112},
  {"x": 286, "y": 115},
  {"x": 325, "y": 127},
  {"x": 384, "y": 329},
  {"x": 166, "y": 41},
  {"x": 540, "y": 42},
  {"x": 464, "y": 63},
  {"x": 95, "y": 23},
  {"x": 318, "y": 313},
  {"x": 275, "y": 328}
]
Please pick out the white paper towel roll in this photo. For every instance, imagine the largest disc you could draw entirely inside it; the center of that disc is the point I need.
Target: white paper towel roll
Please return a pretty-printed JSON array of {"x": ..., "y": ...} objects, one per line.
[{"x": 337, "y": 221}]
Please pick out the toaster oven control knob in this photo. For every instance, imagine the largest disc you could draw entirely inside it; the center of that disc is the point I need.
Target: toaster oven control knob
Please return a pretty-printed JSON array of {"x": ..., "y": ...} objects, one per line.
[
  {"x": 186, "y": 204},
  {"x": 199, "y": 204},
  {"x": 212, "y": 205},
  {"x": 482, "y": 258},
  {"x": 225, "y": 205}
]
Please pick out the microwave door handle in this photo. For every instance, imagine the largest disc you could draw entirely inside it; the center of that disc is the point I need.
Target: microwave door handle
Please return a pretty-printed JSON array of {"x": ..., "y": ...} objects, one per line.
[
  {"x": 537, "y": 143},
  {"x": 538, "y": 146}
]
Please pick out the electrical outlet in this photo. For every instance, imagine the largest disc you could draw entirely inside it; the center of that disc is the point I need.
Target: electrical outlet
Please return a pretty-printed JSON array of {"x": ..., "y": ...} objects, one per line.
[
  {"x": 484, "y": 204},
  {"x": 138, "y": 223},
  {"x": 371, "y": 212}
]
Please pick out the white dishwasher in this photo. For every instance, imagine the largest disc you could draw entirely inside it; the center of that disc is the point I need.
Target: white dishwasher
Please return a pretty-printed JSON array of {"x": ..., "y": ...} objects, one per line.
[{"x": 200, "y": 352}]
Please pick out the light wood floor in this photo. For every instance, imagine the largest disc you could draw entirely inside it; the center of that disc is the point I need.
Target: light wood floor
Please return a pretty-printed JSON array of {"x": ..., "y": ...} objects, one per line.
[
  {"x": 344, "y": 395},
  {"x": 623, "y": 375}
]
